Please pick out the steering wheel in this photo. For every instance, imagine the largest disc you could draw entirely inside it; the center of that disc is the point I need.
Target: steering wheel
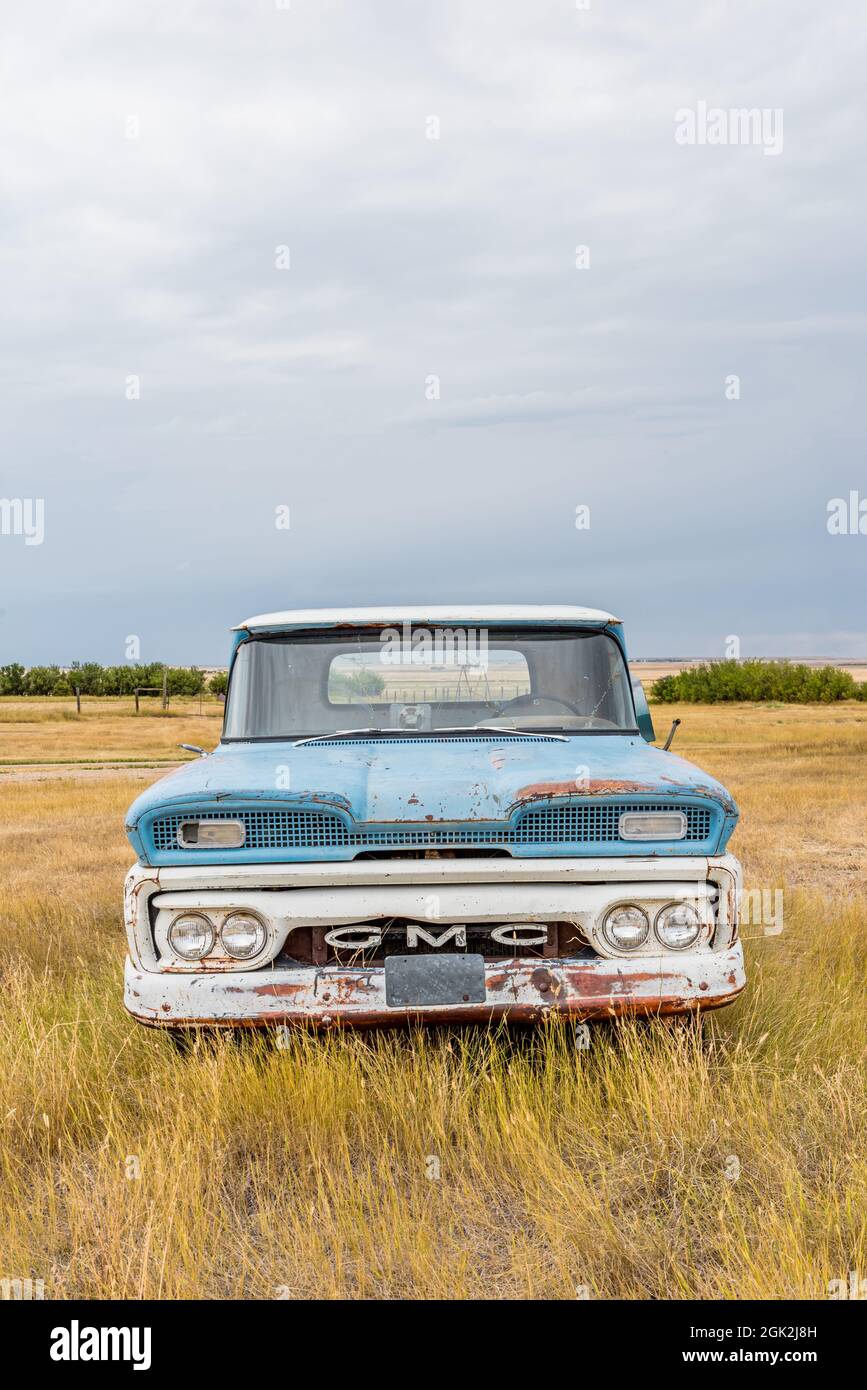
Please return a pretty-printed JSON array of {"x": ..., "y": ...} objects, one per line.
[{"x": 552, "y": 699}]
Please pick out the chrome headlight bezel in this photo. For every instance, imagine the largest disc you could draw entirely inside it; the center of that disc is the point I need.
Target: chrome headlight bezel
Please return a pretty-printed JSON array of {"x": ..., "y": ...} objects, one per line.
[
  {"x": 261, "y": 939},
  {"x": 611, "y": 941},
  {"x": 659, "y": 923},
  {"x": 208, "y": 931}
]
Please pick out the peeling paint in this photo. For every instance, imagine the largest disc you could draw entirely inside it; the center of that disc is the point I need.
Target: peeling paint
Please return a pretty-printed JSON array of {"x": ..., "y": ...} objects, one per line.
[{"x": 520, "y": 990}]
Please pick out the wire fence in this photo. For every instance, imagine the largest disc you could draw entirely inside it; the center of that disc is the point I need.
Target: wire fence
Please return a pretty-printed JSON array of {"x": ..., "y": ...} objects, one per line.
[{"x": 439, "y": 694}]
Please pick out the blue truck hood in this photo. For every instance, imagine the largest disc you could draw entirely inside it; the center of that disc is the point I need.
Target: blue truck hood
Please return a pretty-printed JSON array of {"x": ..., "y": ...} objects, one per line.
[{"x": 431, "y": 781}]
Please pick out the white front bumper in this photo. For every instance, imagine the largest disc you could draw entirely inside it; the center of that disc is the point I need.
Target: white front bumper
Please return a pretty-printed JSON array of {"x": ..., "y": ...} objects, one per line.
[
  {"x": 463, "y": 890},
  {"x": 522, "y": 990}
]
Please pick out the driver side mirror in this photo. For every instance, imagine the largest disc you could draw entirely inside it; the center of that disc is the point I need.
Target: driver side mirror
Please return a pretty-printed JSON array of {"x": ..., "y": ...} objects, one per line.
[{"x": 643, "y": 717}]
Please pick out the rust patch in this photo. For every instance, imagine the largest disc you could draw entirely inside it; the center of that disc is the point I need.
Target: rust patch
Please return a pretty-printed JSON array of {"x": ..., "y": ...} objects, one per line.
[
  {"x": 588, "y": 984},
  {"x": 599, "y": 787},
  {"x": 583, "y": 1009},
  {"x": 545, "y": 981},
  {"x": 277, "y": 991},
  {"x": 538, "y": 791}
]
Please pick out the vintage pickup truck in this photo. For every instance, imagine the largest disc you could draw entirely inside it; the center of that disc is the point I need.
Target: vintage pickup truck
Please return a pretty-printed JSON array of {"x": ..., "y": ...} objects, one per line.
[{"x": 431, "y": 815}]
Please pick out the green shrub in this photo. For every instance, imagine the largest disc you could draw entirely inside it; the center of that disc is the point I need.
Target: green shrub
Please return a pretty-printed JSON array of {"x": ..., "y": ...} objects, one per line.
[{"x": 783, "y": 681}]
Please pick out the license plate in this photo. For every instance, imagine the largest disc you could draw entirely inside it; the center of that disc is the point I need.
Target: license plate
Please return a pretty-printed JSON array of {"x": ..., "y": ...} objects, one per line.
[{"x": 417, "y": 981}]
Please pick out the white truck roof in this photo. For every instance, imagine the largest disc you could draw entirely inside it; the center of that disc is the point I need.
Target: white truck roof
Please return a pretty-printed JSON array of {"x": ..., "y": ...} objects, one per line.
[{"x": 476, "y": 615}]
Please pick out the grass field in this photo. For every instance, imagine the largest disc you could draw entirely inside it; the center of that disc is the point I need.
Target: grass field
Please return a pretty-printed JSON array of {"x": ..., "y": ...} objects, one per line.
[{"x": 458, "y": 1164}]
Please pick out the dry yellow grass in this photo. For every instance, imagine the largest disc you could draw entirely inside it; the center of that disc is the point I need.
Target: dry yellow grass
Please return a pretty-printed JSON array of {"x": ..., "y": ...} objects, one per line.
[
  {"x": 311, "y": 1171},
  {"x": 50, "y": 731}
]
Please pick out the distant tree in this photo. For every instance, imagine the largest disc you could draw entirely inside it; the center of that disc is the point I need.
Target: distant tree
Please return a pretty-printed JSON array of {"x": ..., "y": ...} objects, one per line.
[
  {"x": 367, "y": 682},
  {"x": 87, "y": 676},
  {"x": 218, "y": 682},
  {"x": 42, "y": 680},
  {"x": 121, "y": 680},
  {"x": 12, "y": 679},
  {"x": 185, "y": 680},
  {"x": 356, "y": 683}
]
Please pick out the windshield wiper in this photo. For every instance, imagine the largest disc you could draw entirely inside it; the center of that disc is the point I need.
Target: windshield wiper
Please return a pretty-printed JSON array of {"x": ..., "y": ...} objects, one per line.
[
  {"x": 499, "y": 729},
  {"x": 452, "y": 729}
]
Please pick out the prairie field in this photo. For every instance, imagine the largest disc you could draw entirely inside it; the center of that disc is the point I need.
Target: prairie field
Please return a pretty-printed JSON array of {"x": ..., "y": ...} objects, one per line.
[{"x": 656, "y": 1163}]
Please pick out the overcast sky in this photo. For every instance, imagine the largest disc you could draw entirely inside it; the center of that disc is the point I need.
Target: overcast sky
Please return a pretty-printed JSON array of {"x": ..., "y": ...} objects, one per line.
[{"x": 156, "y": 157}]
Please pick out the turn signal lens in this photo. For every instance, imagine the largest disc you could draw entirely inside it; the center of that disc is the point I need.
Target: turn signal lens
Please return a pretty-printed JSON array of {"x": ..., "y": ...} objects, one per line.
[
  {"x": 652, "y": 825},
  {"x": 211, "y": 834}
]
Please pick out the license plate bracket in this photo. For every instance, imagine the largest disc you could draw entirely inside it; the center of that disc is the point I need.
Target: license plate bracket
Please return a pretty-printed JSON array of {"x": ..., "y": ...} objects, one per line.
[{"x": 413, "y": 982}]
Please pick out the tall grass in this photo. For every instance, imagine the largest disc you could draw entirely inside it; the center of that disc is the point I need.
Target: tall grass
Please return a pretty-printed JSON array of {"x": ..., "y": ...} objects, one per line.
[
  {"x": 459, "y": 1164},
  {"x": 654, "y": 1164}
]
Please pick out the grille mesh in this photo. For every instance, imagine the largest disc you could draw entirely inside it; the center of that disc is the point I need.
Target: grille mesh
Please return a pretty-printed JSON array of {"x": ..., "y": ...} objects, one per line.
[
  {"x": 599, "y": 824},
  {"x": 549, "y": 825}
]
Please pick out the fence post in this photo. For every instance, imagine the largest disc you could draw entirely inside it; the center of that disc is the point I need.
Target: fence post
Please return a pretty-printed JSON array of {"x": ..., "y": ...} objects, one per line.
[
  {"x": 78, "y": 699},
  {"x": 165, "y": 689},
  {"x": 136, "y": 699}
]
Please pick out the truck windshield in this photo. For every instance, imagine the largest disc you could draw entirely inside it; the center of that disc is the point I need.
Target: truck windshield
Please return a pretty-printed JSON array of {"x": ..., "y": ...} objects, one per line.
[{"x": 425, "y": 679}]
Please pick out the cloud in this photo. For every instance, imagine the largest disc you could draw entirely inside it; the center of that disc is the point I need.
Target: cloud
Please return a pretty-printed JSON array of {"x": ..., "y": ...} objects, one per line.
[{"x": 154, "y": 160}]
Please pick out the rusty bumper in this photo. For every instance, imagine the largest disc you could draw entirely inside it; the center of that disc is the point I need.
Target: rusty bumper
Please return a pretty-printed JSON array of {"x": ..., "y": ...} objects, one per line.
[{"x": 520, "y": 990}]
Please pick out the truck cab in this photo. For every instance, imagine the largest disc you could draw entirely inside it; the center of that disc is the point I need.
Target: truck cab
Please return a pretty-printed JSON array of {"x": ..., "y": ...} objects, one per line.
[{"x": 431, "y": 815}]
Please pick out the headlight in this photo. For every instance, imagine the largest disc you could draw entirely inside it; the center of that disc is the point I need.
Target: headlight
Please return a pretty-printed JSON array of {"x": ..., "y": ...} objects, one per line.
[
  {"x": 191, "y": 936},
  {"x": 678, "y": 926},
  {"x": 242, "y": 935},
  {"x": 625, "y": 927},
  {"x": 652, "y": 825}
]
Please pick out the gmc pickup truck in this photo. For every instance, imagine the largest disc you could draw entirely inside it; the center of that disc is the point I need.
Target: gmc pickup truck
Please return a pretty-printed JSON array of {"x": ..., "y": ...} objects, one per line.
[{"x": 431, "y": 815}]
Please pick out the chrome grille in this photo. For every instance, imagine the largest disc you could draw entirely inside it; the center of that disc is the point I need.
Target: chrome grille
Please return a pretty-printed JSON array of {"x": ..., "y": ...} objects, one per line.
[{"x": 479, "y": 941}]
